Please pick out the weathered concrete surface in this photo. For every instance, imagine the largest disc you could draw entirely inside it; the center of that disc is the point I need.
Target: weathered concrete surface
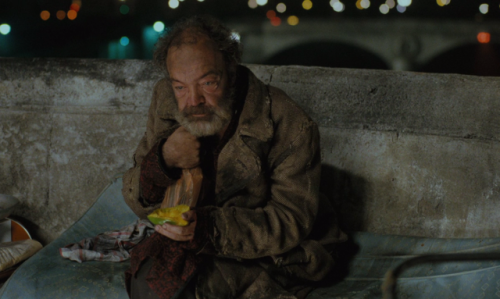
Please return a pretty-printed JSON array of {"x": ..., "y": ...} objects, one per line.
[{"x": 404, "y": 153}]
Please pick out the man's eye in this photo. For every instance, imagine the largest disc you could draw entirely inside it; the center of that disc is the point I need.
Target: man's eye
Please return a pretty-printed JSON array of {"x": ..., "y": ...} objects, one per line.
[{"x": 179, "y": 87}]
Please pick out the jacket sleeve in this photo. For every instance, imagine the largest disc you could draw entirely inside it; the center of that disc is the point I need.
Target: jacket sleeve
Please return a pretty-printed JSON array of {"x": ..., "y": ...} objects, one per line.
[
  {"x": 156, "y": 130},
  {"x": 292, "y": 203}
]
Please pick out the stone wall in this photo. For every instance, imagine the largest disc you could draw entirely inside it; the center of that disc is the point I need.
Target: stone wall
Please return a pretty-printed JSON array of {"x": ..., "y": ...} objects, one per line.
[{"x": 404, "y": 153}]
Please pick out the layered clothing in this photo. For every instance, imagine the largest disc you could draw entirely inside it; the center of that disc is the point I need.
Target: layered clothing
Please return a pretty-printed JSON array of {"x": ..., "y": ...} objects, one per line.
[{"x": 269, "y": 230}]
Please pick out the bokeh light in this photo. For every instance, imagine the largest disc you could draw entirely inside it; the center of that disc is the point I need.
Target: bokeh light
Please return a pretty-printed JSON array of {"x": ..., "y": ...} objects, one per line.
[
  {"x": 45, "y": 15},
  {"x": 332, "y": 2},
  {"x": 158, "y": 26},
  {"x": 261, "y": 2},
  {"x": 201, "y": 0},
  {"x": 72, "y": 14},
  {"x": 384, "y": 9},
  {"x": 483, "y": 8},
  {"x": 61, "y": 14},
  {"x": 5, "y": 29},
  {"x": 307, "y": 4},
  {"x": 124, "y": 9},
  {"x": 404, "y": 3},
  {"x": 281, "y": 7},
  {"x": 252, "y": 3},
  {"x": 401, "y": 9},
  {"x": 293, "y": 20},
  {"x": 365, "y": 4},
  {"x": 390, "y": 3},
  {"x": 124, "y": 41},
  {"x": 75, "y": 7},
  {"x": 270, "y": 14},
  {"x": 338, "y": 6},
  {"x": 358, "y": 5},
  {"x": 276, "y": 21},
  {"x": 483, "y": 37},
  {"x": 173, "y": 4}
]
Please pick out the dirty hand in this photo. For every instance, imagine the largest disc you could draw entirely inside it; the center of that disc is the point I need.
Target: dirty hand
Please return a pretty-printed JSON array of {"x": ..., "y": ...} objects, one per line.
[
  {"x": 179, "y": 233},
  {"x": 181, "y": 150}
]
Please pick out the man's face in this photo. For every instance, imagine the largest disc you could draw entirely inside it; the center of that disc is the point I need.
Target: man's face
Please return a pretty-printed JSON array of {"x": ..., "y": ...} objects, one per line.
[{"x": 199, "y": 81}]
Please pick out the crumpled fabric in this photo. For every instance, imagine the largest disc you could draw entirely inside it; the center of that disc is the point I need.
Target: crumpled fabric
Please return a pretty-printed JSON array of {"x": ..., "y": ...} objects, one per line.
[{"x": 113, "y": 246}]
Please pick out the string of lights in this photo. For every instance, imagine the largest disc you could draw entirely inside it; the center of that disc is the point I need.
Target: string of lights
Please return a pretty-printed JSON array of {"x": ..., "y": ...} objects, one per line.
[{"x": 277, "y": 14}]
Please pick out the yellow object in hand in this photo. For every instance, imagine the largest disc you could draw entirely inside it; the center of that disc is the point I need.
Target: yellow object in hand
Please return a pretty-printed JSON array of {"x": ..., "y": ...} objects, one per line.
[{"x": 171, "y": 215}]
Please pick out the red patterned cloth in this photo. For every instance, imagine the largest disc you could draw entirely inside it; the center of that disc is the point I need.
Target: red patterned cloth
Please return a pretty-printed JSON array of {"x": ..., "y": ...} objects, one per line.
[{"x": 174, "y": 262}]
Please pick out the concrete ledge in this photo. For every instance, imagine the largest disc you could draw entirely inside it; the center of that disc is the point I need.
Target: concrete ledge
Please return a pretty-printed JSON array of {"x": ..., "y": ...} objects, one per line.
[{"x": 404, "y": 153}]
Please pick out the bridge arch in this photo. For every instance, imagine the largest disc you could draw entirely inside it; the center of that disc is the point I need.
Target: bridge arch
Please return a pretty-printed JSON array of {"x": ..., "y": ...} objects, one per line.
[
  {"x": 327, "y": 54},
  {"x": 467, "y": 59}
]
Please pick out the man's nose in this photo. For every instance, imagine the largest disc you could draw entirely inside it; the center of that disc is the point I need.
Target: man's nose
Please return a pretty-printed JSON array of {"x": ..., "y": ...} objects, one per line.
[{"x": 196, "y": 97}]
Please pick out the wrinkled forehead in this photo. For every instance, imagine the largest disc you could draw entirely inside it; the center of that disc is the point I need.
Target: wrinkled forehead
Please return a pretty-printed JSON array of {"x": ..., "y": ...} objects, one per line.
[{"x": 194, "y": 53}]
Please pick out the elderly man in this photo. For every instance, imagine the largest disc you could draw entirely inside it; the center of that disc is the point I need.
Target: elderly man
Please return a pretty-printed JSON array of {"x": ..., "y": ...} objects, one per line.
[{"x": 260, "y": 229}]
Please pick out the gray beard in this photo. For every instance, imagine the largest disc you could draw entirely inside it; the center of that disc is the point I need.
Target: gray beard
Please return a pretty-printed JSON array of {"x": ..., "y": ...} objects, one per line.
[
  {"x": 219, "y": 117},
  {"x": 215, "y": 123}
]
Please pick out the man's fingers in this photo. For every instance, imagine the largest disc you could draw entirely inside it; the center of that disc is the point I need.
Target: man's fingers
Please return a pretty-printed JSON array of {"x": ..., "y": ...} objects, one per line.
[
  {"x": 189, "y": 216},
  {"x": 177, "y": 233},
  {"x": 173, "y": 236}
]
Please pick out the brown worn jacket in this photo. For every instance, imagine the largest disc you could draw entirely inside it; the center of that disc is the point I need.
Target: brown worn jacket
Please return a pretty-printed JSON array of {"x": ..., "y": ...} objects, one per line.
[{"x": 271, "y": 227}]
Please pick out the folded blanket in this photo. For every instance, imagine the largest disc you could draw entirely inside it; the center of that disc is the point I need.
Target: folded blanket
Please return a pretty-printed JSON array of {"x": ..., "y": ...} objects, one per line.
[{"x": 113, "y": 246}]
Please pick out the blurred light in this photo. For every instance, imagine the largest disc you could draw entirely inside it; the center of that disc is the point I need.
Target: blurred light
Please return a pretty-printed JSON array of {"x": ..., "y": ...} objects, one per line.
[
  {"x": 332, "y": 2},
  {"x": 236, "y": 36},
  {"x": 45, "y": 15},
  {"x": 365, "y": 4},
  {"x": 401, "y": 9},
  {"x": 124, "y": 41},
  {"x": 404, "y": 3},
  {"x": 173, "y": 4},
  {"x": 270, "y": 14},
  {"x": 75, "y": 7},
  {"x": 293, "y": 20},
  {"x": 338, "y": 6},
  {"x": 281, "y": 7},
  {"x": 307, "y": 4},
  {"x": 158, "y": 26},
  {"x": 61, "y": 14},
  {"x": 261, "y": 2},
  {"x": 78, "y": 2},
  {"x": 483, "y": 37},
  {"x": 483, "y": 8},
  {"x": 5, "y": 29},
  {"x": 201, "y": 0},
  {"x": 440, "y": 3},
  {"x": 181, "y": 0},
  {"x": 72, "y": 14},
  {"x": 390, "y": 3},
  {"x": 124, "y": 9},
  {"x": 384, "y": 9},
  {"x": 252, "y": 3},
  {"x": 276, "y": 21},
  {"x": 358, "y": 5}
]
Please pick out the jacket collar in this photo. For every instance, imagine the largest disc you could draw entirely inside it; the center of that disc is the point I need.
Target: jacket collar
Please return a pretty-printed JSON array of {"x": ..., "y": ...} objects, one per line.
[{"x": 255, "y": 119}]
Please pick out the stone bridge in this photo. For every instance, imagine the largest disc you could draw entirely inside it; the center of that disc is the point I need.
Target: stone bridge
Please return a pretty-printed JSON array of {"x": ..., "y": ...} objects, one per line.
[{"x": 391, "y": 44}]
